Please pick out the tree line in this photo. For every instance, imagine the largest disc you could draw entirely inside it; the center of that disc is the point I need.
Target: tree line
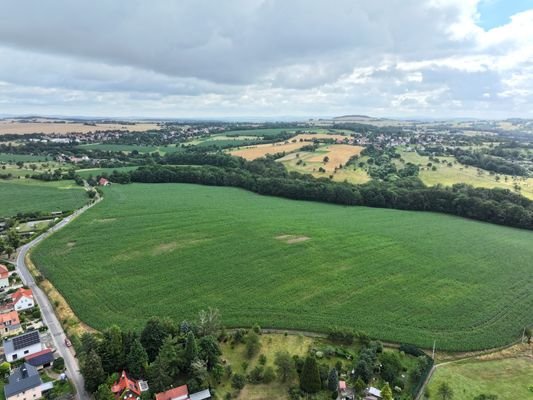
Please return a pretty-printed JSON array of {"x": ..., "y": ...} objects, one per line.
[{"x": 267, "y": 177}]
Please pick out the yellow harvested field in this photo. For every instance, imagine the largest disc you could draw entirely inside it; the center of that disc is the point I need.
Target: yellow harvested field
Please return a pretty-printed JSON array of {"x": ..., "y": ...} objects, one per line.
[
  {"x": 308, "y": 137},
  {"x": 21, "y": 128},
  {"x": 338, "y": 154},
  {"x": 253, "y": 152}
]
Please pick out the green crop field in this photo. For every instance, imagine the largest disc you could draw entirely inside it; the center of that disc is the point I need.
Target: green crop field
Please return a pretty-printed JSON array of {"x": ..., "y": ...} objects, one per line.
[
  {"x": 509, "y": 379},
  {"x": 27, "y": 195},
  {"x": 173, "y": 249}
]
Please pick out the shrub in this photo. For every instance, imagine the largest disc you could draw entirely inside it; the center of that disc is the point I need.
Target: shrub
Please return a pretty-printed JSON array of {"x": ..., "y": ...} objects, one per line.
[{"x": 238, "y": 381}]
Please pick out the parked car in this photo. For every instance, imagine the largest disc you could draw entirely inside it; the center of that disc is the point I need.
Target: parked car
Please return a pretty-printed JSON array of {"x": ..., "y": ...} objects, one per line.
[{"x": 68, "y": 343}]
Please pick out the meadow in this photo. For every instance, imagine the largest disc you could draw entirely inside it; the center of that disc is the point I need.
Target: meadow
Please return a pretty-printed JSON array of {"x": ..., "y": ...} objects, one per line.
[
  {"x": 28, "y": 195},
  {"x": 94, "y": 172},
  {"x": 509, "y": 379},
  {"x": 459, "y": 173},
  {"x": 13, "y": 158},
  {"x": 173, "y": 249}
]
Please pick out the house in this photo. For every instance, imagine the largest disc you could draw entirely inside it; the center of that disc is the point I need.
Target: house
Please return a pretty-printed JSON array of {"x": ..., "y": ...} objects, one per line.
[
  {"x": 10, "y": 323},
  {"x": 182, "y": 393},
  {"x": 103, "y": 182},
  {"x": 41, "y": 359},
  {"x": 22, "y": 299},
  {"x": 127, "y": 388},
  {"x": 4, "y": 277},
  {"x": 24, "y": 384},
  {"x": 22, "y": 346},
  {"x": 373, "y": 394}
]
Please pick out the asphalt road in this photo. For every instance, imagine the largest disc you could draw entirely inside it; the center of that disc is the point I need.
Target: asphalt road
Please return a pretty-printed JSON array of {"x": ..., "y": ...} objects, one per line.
[{"x": 48, "y": 315}]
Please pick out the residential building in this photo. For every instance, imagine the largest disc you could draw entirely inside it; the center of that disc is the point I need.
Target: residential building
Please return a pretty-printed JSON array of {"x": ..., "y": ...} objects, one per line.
[
  {"x": 373, "y": 393},
  {"x": 182, "y": 393},
  {"x": 24, "y": 384},
  {"x": 4, "y": 277},
  {"x": 21, "y": 346},
  {"x": 127, "y": 388},
  {"x": 41, "y": 359},
  {"x": 22, "y": 299},
  {"x": 10, "y": 323},
  {"x": 103, "y": 182}
]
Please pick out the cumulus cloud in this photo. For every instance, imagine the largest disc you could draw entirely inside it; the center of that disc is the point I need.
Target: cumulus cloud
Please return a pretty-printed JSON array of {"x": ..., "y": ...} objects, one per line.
[{"x": 263, "y": 57}]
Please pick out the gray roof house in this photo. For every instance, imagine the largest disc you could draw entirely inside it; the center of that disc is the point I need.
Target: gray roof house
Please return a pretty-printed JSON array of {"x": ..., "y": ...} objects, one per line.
[
  {"x": 22, "y": 346},
  {"x": 24, "y": 379}
]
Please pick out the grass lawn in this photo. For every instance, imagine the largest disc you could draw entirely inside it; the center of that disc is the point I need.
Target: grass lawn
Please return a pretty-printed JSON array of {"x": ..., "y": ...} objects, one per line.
[
  {"x": 28, "y": 195},
  {"x": 174, "y": 249},
  {"x": 508, "y": 378}
]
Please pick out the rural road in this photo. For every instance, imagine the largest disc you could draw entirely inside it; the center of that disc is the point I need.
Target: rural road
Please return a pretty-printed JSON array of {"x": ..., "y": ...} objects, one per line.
[{"x": 48, "y": 315}]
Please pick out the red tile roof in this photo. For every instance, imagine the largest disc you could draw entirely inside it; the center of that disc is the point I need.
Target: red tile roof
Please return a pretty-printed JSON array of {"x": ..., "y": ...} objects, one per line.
[
  {"x": 103, "y": 181},
  {"x": 4, "y": 272},
  {"x": 21, "y": 292},
  {"x": 342, "y": 385},
  {"x": 12, "y": 316},
  {"x": 176, "y": 393},
  {"x": 39, "y": 353},
  {"x": 124, "y": 384}
]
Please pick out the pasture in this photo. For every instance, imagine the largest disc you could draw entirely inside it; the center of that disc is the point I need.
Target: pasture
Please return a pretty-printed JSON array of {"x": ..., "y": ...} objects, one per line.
[
  {"x": 173, "y": 249},
  {"x": 508, "y": 378},
  {"x": 28, "y": 195}
]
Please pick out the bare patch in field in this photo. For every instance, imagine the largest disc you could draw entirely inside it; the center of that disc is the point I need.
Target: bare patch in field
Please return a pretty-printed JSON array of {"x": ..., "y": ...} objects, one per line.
[
  {"x": 291, "y": 239},
  {"x": 105, "y": 220},
  {"x": 71, "y": 244},
  {"x": 164, "y": 248},
  {"x": 171, "y": 246},
  {"x": 338, "y": 154},
  {"x": 127, "y": 256}
]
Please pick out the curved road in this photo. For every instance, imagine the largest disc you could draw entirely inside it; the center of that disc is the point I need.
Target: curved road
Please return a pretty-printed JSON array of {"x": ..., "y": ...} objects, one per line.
[{"x": 48, "y": 315}]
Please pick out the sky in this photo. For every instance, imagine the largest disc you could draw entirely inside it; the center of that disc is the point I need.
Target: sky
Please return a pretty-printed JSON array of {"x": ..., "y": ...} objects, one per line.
[{"x": 267, "y": 58}]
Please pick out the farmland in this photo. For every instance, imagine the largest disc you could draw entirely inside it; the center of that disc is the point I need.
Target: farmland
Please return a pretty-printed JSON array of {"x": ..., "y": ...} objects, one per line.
[
  {"x": 508, "y": 378},
  {"x": 27, "y": 195},
  {"x": 128, "y": 148},
  {"x": 338, "y": 154},
  {"x": 16, "y": 127},
  {"x": 253, "y": 152},
  {"x": 174, "y": 249}
]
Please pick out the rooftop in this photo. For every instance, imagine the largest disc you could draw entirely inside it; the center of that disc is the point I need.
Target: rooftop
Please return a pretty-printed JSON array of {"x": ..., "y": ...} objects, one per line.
[{"x": 23, "y": 378}]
